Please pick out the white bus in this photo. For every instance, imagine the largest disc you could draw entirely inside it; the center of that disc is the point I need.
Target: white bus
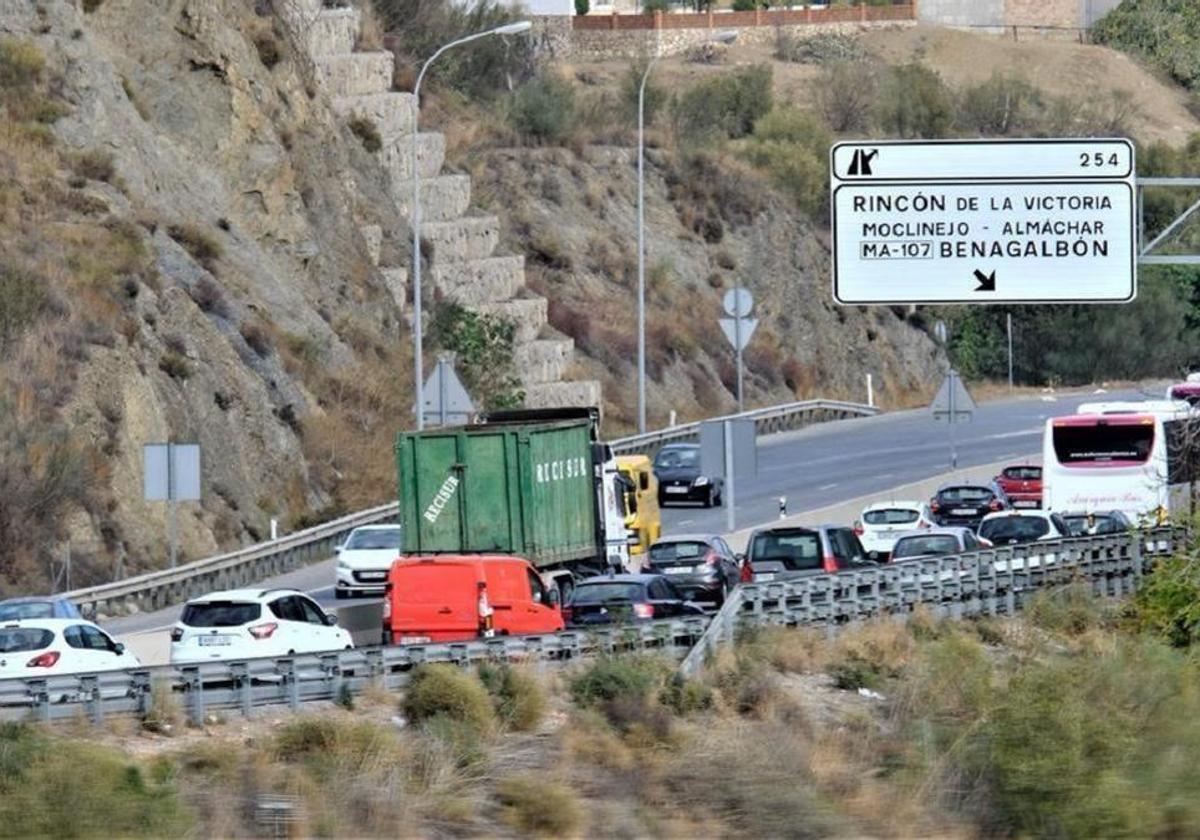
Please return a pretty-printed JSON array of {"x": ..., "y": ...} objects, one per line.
[{"x": 1138, "y": 458}]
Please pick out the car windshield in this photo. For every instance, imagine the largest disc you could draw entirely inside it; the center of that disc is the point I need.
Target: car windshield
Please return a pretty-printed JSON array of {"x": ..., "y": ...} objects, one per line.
[
  {"x": 606, "y": 593},
  {"x": 890, "y": 516},
  {"x": 672, "y": 552},
  {"x": 968, "y": 495},
  {"x": 1018, "y": 528},
  {"x": 16, "y": 639},
  {"x": 918, "y": 546},
  {"x": 671, "y": 459},
  {"x": 376, "y": 538},
  {"x": 220, "y": 614},
  {"x": 801, "y": 548},
  {"x": 1100, "y": 524},
  {"x": 1023, "y": 473},
  {"x": 27, "y": 609}
]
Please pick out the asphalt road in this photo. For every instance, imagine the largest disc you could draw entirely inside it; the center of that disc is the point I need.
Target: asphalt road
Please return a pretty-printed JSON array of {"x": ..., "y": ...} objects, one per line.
[{"x": 815, "y": 467}]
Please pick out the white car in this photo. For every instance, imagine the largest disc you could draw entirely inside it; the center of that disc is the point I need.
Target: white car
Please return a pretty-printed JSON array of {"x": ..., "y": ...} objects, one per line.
[
  {"x": 365, "y": 558},
  {"x": 249, "y": 623},
  {"x": 882, "y": 524},
  {"x": 1012, "y": 527},
  {"x": 43, "y": 647}
]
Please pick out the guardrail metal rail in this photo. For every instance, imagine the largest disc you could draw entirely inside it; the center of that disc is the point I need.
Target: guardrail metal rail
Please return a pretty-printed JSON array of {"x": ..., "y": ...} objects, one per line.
[
  {"x": 993, "y": 582},
  {"x": 247, "y": 566}
]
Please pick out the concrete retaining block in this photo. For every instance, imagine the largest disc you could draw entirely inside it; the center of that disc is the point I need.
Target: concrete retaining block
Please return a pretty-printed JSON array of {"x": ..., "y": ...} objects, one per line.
[
  {"x": 391, "y": 112},
  {"x": 396, "y": 156},
  {"x": 543, "y": 360},
  {"x": 396, "y": 280},
  {"x": 559, "y": 394},
  {"x": 477, "y": 282},
  {"x": 468, "y": 238},
  {"x": 529, "y": 315},
  {"x": 354, "y": 74},
  {"x": 334, "y": 32},
  {"x": 442, "y": 198}
]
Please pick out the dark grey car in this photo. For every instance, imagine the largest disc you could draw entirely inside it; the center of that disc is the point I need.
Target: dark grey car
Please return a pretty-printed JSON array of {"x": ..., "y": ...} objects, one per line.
[
  {"x": 785, "y": 552},
  {"x": 701, "y": 566},
  {"x": 677, "y": 468}
]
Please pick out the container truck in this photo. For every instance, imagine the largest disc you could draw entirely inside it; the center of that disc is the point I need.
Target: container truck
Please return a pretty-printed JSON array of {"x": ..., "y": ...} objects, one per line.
[{"x": 536, "y": 484}]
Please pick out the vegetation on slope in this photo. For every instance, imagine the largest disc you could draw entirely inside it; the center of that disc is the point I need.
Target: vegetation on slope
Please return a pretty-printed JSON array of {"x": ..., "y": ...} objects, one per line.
[{"x": 1164, "y": 32}]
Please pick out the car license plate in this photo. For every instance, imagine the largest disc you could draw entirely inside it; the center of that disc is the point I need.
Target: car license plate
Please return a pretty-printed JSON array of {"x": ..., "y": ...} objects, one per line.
[
  {"x": 372, "y": 575},
  {"x": 677, "y": 489},
  {"x": 962, "y": 511},
  {"x": 1025, "y": 503},
  {"x": 414, "y": 640},
  {"x": 214, "y": 641},
  {"x": 678, "y": 570},
  {"x": 765, "y": 578}
]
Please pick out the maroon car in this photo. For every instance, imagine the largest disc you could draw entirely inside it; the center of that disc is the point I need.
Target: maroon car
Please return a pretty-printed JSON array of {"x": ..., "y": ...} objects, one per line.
[{"x": 1022, "y": 483}]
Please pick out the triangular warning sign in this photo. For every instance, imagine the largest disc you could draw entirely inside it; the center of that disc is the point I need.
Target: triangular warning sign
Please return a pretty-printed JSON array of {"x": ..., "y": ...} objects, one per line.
[
  {"x": 953, "y": 401},
  {"x": 447, "y": 402}
]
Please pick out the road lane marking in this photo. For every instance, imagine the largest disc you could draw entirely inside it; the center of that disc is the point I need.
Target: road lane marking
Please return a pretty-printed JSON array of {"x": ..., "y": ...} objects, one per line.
[{"x": 827, "y": 486}]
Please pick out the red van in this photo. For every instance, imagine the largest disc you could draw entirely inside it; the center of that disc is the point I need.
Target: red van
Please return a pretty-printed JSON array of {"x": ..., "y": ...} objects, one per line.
[{"x": 452, "y": 598}]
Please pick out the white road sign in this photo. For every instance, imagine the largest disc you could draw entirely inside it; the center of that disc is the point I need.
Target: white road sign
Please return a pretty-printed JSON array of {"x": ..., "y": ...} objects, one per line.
[{"x": 983, "y": 221}]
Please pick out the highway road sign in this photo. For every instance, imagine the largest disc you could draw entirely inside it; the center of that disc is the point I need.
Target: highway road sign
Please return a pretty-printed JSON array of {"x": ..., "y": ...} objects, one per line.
[
  {"x": 447, "y": 402},
  {"x": 953, "y": 401},
  {"x": 736, "y": 332},
  {"x": 983, "y": 221},
  {"x": 738, "y": 302},
  {"x": 171, "y": 472}
]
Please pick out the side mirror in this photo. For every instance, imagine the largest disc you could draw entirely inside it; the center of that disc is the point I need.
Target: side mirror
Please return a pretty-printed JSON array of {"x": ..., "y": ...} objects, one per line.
[
  {"x": 553, "y": 598},
  {"x": 119, "y": 649},
  {"x": 741, "y": 558},
  {"x": 331, "y": 619},
  {"x": 338, "y": 549}
]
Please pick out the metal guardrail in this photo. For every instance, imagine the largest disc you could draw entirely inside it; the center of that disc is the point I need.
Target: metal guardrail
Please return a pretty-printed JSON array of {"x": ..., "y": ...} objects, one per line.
[
  {"x": 992, "y": 582},
  {"x": 779, "y": 418},
  {"x": 247, "y": 566},
  {"x": 244, "y": 567}
]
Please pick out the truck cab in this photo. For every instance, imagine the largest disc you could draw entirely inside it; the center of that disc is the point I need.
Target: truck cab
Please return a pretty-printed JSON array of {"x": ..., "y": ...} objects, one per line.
[
  {"x": 643, "y": 521},
  {"x": 452, "y": 598}
]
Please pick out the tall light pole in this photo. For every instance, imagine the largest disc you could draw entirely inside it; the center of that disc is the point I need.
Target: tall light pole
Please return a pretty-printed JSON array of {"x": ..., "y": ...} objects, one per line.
[
  {"x": 720, "y": 37},
  {"x": 415, "y": 220}
]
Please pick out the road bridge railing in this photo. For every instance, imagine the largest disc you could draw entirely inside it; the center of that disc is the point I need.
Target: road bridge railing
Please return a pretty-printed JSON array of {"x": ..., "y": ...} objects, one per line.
[
  {"x": 997, "y": 581},
  {"x": 248, "y": 566}
]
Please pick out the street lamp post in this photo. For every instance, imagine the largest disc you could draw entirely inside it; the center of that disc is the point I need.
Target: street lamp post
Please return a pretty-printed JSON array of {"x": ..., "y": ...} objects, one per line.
[
  {"x": 415, "y": 220},
  {"x": 723, "y": 38}
]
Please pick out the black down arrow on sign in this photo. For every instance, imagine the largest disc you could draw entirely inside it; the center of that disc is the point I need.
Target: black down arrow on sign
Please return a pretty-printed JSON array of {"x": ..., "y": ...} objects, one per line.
[{"x": 987, "y": 282}]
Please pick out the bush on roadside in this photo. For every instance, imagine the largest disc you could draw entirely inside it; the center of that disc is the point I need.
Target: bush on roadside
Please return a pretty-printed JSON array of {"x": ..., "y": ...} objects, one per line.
[
  {"x": 533, "y": 805},
  {"x": 544, "y": 111},
  {"x": 914, "y": 102},
  {"x": 518, "y": 697},
  {"x": 845, "y": 95},
  {"x": 1071, "y": 609},
  {"x": 197, "y": 242},
  {"x": 791, "y": 147},
  {"x": 722, "y": 107},
  {"x": 1003, "y": 106},
  {"x": 1167, "y": 603},
  {"x": 449, "y": 692},
  {"x": 364, "y": 129}
]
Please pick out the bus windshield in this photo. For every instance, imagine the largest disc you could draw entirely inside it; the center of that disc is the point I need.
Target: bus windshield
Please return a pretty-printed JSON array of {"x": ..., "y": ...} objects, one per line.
[{"x": 1110, "y": 443}]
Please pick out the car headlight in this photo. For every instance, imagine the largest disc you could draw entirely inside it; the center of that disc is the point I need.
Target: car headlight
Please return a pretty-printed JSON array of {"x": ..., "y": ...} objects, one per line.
[
  {"x": 701, "y": 481},
  {"x": 343, "y": 565}
]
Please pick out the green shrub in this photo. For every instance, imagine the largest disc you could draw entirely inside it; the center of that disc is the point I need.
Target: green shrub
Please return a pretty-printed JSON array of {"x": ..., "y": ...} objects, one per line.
[
  {"x": 366, "y": 132},
  {"x": 1164, "y": 32},
  {"x": 613, "y": 678},
  {"x": 845, "y": 95},
  {"x": 914, "y": 102},
  {"x": 1168, "y": 602},
  {"x": 724, "y": 106},
  {"x": 533, "y": 805},
  {"x": 94, "y": 165},
  {"x": 822, "y": 48},
  {"x": 451, "y": 693},
  {"x": 174, "y": 365},
  {"x": 791, "y": 147},
  {"x": 582, "y": 7},
  {"x": 544, "y": 110},
  {"x": 483, "y": 349},
  {"x": 23, "y": 301},
  {"x": 21, "y": 64},
  {"x": 655, "y": 95},
  {"x": 745, "y": 5},
  {"x": 519, "y": 698},
  {"x": 1003, "y": 106},
  {"x": 1072, "y": 609},
  {"x": 203, "y": 248}
]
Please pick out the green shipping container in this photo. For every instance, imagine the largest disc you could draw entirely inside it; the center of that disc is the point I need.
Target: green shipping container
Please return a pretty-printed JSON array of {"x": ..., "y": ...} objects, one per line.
[{"x": 509, "y": 488}]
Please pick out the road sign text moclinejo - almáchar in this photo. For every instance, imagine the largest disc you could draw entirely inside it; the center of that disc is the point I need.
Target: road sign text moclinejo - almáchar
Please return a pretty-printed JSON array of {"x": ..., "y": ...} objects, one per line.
[{"x": 983, "y": 221}]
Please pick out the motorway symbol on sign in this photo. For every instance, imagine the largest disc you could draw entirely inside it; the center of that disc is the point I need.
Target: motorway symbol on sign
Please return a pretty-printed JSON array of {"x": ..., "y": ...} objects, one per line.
[{"x": 940, "y": 221}]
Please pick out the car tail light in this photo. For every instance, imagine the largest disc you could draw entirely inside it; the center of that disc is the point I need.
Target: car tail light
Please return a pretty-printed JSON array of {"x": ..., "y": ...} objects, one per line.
[
  {"x": 263, "y": 631},
  {"x": 747, "y": 573},
  {"x": 711, "y": 558},
  {"x": 831, "y": 565},
  {"x": 176, "y": 634},
  {"x": 643, "y": 610},
  {"x": 858, "y": 529},
  {"x": 387, "y": 603},
  {"x": 994, "y": 504},
  {"x": 486, "y": 617},
  {"x": 568, "y": 613},
  {"x": 934, "y": 506},
  {"x": 44, "y": 660}
]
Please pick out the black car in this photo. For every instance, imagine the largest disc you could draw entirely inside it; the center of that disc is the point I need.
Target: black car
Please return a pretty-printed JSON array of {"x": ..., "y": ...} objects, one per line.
[
  {"x": 1097, "y": 522},
  {"x": 702, "y": 567},
  {"x": 677, "y": 468},
  {"x": 785, "y": 552},
  {"x": 616, "y": 599},
  {"x": 966, "y": 504}
]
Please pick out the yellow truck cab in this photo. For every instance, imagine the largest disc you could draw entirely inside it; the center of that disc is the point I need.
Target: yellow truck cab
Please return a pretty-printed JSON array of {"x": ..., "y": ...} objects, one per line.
[{"x": 642, "y": 518}]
